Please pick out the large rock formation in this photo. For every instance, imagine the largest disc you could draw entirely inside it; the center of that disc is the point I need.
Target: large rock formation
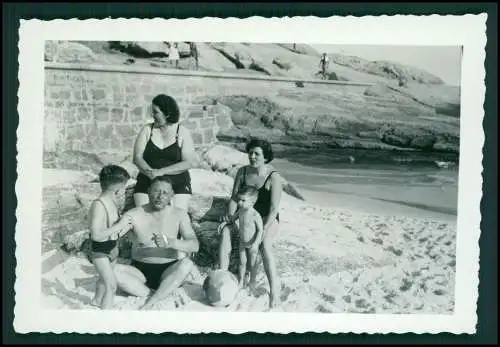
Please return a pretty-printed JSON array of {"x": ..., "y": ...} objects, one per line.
[
  {"x": 385, "y": 69},
  {"x": 382, "y": 118},
  {"x": 69, "y": 52},
  {"x": 419, "y": 113}
]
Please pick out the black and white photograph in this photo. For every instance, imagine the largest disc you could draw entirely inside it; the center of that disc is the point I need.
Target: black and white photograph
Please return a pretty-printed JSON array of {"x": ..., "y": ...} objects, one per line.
[{"x": 198, "y": 174}]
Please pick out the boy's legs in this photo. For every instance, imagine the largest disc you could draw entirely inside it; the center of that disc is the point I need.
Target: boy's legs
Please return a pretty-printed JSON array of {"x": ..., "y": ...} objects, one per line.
[
  {"x": 99, "y": 292},
  {"x": 105, "y": 270},
  {"x": 243, "y": 265},
  {"x": 252, "y": 257}
]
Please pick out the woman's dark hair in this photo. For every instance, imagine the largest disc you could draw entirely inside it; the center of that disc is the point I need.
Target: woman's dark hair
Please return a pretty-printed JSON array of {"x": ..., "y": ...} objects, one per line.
[
  {"x": 267, "y": 150},
  {"x": 168, "y": 106},
  {"x": 112, "y": 174}
]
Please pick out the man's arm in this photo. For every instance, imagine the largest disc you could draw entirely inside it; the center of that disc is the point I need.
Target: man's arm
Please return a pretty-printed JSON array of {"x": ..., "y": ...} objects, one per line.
[
  {"x": 139, "y": 146},
  {"x": 189, "y": 242}
]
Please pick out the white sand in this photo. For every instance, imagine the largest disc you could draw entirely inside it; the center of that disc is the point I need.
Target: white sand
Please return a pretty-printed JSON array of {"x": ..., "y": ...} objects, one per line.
[{"x": 330, "y": 259}]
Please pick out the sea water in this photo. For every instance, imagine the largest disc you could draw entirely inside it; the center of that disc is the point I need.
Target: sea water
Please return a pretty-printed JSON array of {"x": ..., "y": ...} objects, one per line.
[{"x": 411, "y": 183}]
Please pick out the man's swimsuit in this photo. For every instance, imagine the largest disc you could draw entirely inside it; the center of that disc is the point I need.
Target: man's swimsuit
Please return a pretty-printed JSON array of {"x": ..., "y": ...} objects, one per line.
[
  {"x": 107, "y": 248},
  {"x": 159, "y": 158},
  {"x": 152, "y": 272}
]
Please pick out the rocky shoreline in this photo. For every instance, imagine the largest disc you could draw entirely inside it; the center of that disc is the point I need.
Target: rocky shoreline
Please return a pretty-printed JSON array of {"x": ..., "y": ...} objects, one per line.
[{"x": 422, "y": 115}]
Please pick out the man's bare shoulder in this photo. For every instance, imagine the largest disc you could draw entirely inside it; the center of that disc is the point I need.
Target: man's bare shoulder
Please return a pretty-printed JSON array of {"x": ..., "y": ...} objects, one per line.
[{"x": 179, "y": 212}]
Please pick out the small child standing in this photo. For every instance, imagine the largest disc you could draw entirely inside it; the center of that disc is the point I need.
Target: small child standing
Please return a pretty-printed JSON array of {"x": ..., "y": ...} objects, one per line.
[
  {"x": 105, "y": 229},
  {"x": 250, "y": 232}
]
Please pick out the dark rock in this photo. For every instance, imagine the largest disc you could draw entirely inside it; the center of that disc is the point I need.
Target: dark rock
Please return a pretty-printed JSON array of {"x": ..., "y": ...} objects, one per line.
[
  {"x": 395, "y": 140},
  {"x": 424, "y": 142},
  {"x": 332, "y": 76},
  {"x": 285, "y": 65},
  {"x": 140, "y": 49},
  {"x": 257, "y": 66}
]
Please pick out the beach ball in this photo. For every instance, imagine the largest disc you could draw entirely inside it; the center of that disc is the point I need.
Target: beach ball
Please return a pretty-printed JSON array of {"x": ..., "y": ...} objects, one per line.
[{"x": 220, "y": 288}]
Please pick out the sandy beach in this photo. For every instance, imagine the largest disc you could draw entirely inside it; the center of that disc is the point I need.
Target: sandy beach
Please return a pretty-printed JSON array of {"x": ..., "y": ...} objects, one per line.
[{"x": 334, "y": 254}]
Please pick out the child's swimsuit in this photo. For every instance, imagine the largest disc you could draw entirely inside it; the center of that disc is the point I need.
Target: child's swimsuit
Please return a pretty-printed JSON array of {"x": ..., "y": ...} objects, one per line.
[
  {"x": 107, "y": 248},
  {"x": 159, "y": 158},
  {"x": 263, "y": 203}
]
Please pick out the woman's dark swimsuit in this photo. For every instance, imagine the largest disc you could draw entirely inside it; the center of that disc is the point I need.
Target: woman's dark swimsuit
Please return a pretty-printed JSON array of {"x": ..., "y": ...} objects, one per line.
[
  {"x": 152, "y": 272},
  {"x": 105, "y": 249},
  {"x": 159, "y": 158},
  {"x": 263, "y": 203}
]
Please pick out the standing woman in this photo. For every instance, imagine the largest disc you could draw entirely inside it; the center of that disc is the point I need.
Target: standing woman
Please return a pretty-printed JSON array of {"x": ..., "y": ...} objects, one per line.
[
  {"x": 261, "y": 176},
  {"x": 164, "y": 148}
]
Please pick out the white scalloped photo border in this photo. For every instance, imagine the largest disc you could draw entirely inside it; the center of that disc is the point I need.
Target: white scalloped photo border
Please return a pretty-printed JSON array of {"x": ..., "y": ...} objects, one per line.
[{"x": 468, "y": 31}]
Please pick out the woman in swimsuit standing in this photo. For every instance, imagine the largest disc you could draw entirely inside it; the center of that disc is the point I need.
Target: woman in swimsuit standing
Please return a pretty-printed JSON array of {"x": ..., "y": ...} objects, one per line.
[
  {"x": 261, "y": 176},
  {"x": 164, "y": 148}
]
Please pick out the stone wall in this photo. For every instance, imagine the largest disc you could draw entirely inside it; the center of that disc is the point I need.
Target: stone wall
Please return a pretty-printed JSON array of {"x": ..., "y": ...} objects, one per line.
[{"x": 94, "y": 109}]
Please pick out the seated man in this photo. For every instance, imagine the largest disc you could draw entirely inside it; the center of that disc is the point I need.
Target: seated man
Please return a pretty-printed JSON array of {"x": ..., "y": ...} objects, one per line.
[{"x": 162, "y": 235}]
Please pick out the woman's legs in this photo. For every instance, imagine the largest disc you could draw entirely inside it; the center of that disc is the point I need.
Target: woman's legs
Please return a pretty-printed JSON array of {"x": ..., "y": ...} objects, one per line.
[
  {"x": 140, "y": 199},
  {"x": 181, "y": 201},
  {"x": 270, "y": 263},
  {"x": 225, "y": 248}
]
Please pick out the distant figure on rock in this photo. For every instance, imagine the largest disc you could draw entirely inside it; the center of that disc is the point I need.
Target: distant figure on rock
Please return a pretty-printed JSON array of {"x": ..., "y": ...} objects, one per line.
[
  {"x": 269, "y": 185},
  {"x": 173, "y": 55},
  {"x": 323, "y": 64},
  {"x": 164, "y": 148},
  {"x": 402, "y": 81},
  {"x": 194, "y": 53}
]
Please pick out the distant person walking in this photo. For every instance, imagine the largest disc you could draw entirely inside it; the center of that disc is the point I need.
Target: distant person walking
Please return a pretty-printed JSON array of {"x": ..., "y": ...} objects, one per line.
[
  {"x": 194, "y": 53},
  {"x": 323, "y": 63},
  {"x": 173, "y": 55}
]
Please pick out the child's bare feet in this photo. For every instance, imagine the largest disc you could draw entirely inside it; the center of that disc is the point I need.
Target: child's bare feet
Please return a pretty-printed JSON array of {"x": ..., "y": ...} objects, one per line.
[
  {"x": 252, "y": 284},
  {"x": 246, "y": 280},
  {"x": 274, "y": 300},
  {"x": 95, "y": 302}
]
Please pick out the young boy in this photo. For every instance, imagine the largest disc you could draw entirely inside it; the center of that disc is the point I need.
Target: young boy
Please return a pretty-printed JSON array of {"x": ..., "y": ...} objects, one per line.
[
  {"x": 250, "y": 231},
  {"x": 105, "y": 229}
]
